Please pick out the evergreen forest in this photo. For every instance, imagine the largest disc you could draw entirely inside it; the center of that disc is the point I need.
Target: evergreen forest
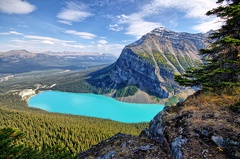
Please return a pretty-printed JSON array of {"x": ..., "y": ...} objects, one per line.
[{"x": 69, "y": 133}]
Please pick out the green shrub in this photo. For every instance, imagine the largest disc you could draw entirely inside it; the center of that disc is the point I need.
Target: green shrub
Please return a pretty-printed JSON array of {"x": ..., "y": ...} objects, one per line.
[
  {"x": 171, "y": 101},
  {"x": 174, "y": 61},
  {"x": 188, "y": 60},
  {"x": 147, "y": 57},
  {"x": 126, "y": 91},
  {"x": 183, "y": 62},
  {"x": 161, "y": 61}
]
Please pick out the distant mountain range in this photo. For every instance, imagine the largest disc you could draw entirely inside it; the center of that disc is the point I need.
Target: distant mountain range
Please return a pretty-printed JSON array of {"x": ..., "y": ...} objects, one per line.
[
  {"x": 17, "y": 61},
  {"x": 151, "y": 62}
]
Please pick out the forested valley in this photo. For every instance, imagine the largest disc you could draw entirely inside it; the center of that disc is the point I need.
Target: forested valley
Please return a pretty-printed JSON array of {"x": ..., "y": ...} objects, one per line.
[{"x": 69, "y": 133}]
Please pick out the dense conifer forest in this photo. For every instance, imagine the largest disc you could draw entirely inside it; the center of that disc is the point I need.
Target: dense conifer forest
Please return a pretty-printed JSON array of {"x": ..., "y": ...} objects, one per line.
[{"x": 71, "y": 133}]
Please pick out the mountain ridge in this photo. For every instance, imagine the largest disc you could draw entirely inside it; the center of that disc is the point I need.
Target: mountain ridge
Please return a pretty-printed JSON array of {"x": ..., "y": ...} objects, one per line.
[
  {"x": 151, "y": 62},
  {"x": 23, "y": 51},
  {"x": 17, "y": 61}
]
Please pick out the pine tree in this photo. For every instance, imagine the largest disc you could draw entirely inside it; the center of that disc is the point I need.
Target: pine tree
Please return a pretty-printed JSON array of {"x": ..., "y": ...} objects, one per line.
[
  {"x": 7, "y": 149},
  {"x": 221, "y": 70}
]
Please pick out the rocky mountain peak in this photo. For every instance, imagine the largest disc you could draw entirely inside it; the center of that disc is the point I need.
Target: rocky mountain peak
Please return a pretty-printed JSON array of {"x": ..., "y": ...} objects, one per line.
[
  {"x": 151, "y": 62},
  {"x": 161, "y": 29}
]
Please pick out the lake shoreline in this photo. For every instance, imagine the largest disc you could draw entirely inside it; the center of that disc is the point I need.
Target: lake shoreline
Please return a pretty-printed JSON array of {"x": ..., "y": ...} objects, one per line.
[{"x": 93, "y": 105}]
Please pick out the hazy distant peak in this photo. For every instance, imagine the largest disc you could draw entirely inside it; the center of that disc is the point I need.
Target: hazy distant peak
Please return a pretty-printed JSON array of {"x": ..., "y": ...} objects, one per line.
[{"x": 19, "y": 51}]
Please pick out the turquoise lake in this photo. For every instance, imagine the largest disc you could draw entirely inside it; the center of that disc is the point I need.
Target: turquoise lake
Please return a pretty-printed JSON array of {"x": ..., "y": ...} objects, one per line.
[{"x": 93, "y": 105}]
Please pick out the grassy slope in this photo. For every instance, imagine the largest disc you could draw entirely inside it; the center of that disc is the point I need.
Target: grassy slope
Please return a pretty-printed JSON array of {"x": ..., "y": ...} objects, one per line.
[{"x": 200, "y": 118}]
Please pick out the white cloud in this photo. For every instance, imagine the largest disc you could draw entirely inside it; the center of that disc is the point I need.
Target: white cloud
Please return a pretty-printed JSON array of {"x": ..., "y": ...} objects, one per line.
[
  {"x": 23, "y": 26},
  {"x": 34, "y": 40},
  {"x": 141, "y": 28},
  {"x": 125, "y": 41},
  {"x": 73, "y": 15},
  {"x": 44, "y": 38},
  {"x": 123, "y": 18},
  {"x": 102, "y": 42},
  {"x": 205, "y": 26},
  {"x": 17, "y": 40},
  {"x": 16, "y": 7},
  {"x": 11, "y": 33},
  {"x": 83, "y": 35},
  {"x": 196, "y": 9},
  {"x": 107, "y": 48},
  {"x": 64, "y": 22},
  {"x": 137, "y": 26},
  {"x": 192, "y": 9},
  {"x": 47, "y": 42},
  {"x": 114, "y": 27},
  {"x": 74, "y": 12}
]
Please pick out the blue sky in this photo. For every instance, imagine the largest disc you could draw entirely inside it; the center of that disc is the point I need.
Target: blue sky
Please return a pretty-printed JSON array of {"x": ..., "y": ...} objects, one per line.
[{"x": 103, "y": 26}]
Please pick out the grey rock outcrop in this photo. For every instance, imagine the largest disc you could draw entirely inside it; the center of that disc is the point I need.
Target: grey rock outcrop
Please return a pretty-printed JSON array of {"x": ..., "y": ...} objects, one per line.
[{"x": 156, "y": 132}]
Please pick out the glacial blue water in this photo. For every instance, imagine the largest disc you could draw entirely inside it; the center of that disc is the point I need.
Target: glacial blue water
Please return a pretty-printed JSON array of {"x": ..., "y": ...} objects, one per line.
[{"x": 93, "y": 105}]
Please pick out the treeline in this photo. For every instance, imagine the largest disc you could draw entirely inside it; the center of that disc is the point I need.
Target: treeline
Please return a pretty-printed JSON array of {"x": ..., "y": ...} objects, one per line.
[
  {"x": 73, "y": 133},
  {"x": 79, "y": 86}
]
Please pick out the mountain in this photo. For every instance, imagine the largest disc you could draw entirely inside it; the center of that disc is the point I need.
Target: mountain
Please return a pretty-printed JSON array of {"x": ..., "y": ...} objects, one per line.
[
  {"x": 16, "y": 61},
  {"x": 151, "y": 62}
]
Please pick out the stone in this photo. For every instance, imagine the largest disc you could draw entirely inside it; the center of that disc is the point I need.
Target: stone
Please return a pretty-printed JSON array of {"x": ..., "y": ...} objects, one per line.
[
  {"x": 156, "y": 128},
  {"x": 176, "y": 147},
  {"x": 109, "y": 155},
  {"x": 145, "y": 148},
  {"x": 145, "y": 132},
  {"x": 205, "y": 133},
  {"x": 218, "y": 140}
]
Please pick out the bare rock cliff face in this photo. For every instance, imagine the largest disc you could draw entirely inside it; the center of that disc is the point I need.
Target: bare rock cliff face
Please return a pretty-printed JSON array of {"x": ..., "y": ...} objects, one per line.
[{"x": 151, "y": 62}]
